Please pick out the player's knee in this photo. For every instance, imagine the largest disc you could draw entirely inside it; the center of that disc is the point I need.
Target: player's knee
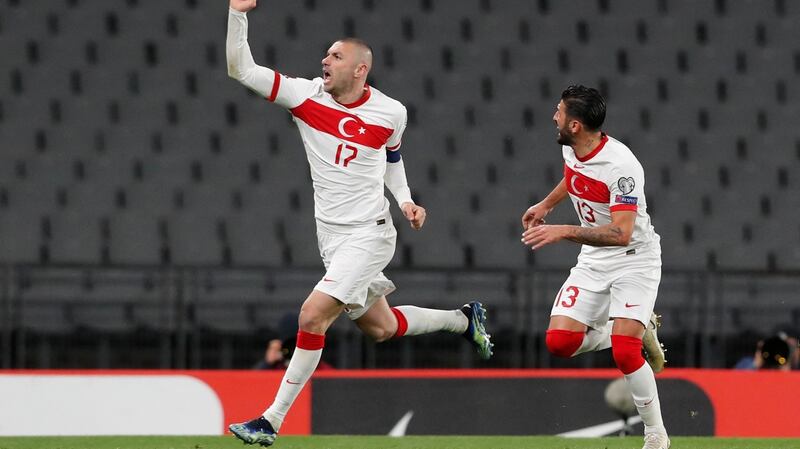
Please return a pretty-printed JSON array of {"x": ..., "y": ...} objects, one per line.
[
  {"x": 627, "y": 352},
  {"x": 312, "y": 321},
  {"x": 563, "y": 343}
]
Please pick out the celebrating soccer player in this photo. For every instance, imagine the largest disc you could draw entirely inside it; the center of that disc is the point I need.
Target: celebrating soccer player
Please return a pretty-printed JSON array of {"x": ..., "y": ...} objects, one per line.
[
  {"x": 352, "y": 134},
  {"x": 619, "y": 267}
]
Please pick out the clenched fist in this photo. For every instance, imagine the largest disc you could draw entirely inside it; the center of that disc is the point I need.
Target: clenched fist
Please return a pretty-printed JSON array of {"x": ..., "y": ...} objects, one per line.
[
  {"x": 414, "y": 214},
  {"x": 243, "y": 5}
]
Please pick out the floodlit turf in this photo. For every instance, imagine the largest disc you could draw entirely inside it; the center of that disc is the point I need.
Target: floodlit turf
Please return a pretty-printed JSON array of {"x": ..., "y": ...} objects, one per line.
[{"x": 378, "y": 442}]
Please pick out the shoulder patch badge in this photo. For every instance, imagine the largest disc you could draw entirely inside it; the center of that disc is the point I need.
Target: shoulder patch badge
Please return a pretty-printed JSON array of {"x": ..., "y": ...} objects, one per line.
[{"x": 626, "y": 185}]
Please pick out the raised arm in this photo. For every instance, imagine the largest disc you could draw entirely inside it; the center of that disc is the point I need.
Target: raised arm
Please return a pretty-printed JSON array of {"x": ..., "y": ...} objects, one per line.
[{"x": 241, "y": 65}]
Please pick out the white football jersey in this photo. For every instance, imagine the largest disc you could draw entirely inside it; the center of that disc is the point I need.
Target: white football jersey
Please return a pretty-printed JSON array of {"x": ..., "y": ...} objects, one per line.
[
  {"x": 346, "y": 148},
  {"x": 608, "y": 179}
]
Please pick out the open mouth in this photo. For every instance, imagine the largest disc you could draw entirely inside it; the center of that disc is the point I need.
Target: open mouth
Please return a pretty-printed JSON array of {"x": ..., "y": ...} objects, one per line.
[{"x": 326, "y": 75}]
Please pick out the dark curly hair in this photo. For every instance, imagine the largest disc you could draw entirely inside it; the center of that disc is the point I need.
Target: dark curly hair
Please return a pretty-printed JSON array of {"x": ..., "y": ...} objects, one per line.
[{"x": 586, "y": 105}]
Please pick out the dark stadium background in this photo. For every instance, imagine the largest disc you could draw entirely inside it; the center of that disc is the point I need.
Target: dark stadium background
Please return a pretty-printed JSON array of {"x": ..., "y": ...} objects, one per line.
[{"x": 155, "y": 214}]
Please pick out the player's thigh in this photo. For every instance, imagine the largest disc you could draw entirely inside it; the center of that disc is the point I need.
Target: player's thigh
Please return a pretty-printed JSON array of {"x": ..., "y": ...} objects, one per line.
[
  {"x": 627, "y": 327},
  {"x": 318, "y": 312},
  {"x": 355, "y": 264},
  {"x": 633, "y": 294},
  {"x": 581, "y": 298},
  {"x": 566, "y": 323}
]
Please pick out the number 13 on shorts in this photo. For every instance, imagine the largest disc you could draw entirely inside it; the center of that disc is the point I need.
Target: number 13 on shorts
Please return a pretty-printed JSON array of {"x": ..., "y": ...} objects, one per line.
[{"x": 567, "y": 297}]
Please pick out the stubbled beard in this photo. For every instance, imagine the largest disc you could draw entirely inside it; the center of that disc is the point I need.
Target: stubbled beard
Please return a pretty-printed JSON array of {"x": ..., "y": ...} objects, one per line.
[
  {"x": 337, "y": 89},
  {"x": 564, "y": 138}
]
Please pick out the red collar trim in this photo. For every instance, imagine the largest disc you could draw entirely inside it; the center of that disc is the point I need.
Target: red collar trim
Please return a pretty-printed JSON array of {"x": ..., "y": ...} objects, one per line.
[
  {"x": 596, "y": 150},
  {"x": 360, "y": 101}
]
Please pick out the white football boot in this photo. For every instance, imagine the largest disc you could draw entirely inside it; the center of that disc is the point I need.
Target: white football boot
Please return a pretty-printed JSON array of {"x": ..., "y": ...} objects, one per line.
[
  {"x": 653, "y": 349},
  {"x": 656, "y": 441}
]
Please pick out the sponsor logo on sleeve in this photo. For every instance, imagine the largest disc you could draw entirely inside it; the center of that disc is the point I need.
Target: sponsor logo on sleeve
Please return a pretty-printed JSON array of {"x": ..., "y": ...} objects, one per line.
[
  {"x": 626, "y": 185},
  {"x": 623, "y": 199}
]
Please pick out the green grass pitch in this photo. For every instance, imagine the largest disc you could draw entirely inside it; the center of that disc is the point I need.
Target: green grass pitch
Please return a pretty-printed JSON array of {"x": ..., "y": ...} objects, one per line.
[{"x": 380, "y": 442}]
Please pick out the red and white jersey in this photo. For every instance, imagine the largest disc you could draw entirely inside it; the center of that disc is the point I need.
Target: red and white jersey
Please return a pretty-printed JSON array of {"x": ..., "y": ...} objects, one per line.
[
  {"x": 608, "y": 179},
  {"x": 346, "y": 149}
]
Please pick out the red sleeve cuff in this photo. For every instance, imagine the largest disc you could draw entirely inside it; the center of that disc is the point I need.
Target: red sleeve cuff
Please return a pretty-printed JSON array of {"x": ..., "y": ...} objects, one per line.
[{"x": 620, "y": 207}]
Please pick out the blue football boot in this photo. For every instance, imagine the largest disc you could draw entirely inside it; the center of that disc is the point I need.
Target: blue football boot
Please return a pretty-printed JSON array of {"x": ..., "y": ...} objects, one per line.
[
  {"x": 476, "y": 330},
  {"x": 255, "y": 431}
]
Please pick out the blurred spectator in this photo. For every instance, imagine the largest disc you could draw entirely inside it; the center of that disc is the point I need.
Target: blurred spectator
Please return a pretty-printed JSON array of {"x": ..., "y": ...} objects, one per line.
[
  {"x": 279, "y": 350},
  {"x": 779, "y": 352},
  {"x": 274, "y": 356},
  {"x": 278, "y": 354},
  {"x": 790, "y": 336},
  {"x": 773, "y": 353}
]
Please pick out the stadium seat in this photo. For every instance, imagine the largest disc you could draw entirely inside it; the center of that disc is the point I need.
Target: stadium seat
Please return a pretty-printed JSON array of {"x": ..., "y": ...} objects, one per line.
[
  {"x": 47, "y": 300},
  {"x": 188, "y": 228},
  {"x": 253, "y": 240},
  {"x": 135, "y": 239},
  {"x": 76, "y": 238},
  {"x": 495, "y": 290},
  {"x": 226, "y": 301}
]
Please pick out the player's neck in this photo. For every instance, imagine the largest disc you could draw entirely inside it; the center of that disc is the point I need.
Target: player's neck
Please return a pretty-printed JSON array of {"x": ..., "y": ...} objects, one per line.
[
  {"x": 587, "y": 143},
  {"x": 351, "y": 96}
]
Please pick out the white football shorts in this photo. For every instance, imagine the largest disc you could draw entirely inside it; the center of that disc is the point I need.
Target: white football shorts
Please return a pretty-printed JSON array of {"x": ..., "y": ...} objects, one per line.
[
  {"x": 622, "y": 286},
  {"x": 354, "y": 264}
]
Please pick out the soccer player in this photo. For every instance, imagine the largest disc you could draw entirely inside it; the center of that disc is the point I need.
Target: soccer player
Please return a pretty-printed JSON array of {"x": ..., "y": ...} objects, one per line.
[
  {"x": 619, "y": 267},
  {"x": 352, "y": 134}
]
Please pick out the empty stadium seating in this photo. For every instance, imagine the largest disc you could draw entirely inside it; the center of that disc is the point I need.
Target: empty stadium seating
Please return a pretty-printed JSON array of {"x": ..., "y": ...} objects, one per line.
[{"x": 124, "y": 145}]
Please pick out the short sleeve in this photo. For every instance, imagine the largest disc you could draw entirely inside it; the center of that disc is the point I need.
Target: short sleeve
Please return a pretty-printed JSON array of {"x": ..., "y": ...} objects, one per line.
[
  {"x": 395, "y": 140},
  {"x": 292, "y": 92},
  {"x": 626, "y": 186}
]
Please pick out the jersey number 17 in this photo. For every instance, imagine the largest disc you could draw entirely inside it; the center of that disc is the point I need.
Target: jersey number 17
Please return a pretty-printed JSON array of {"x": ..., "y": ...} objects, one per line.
[{"x": 353, "y": 153}]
